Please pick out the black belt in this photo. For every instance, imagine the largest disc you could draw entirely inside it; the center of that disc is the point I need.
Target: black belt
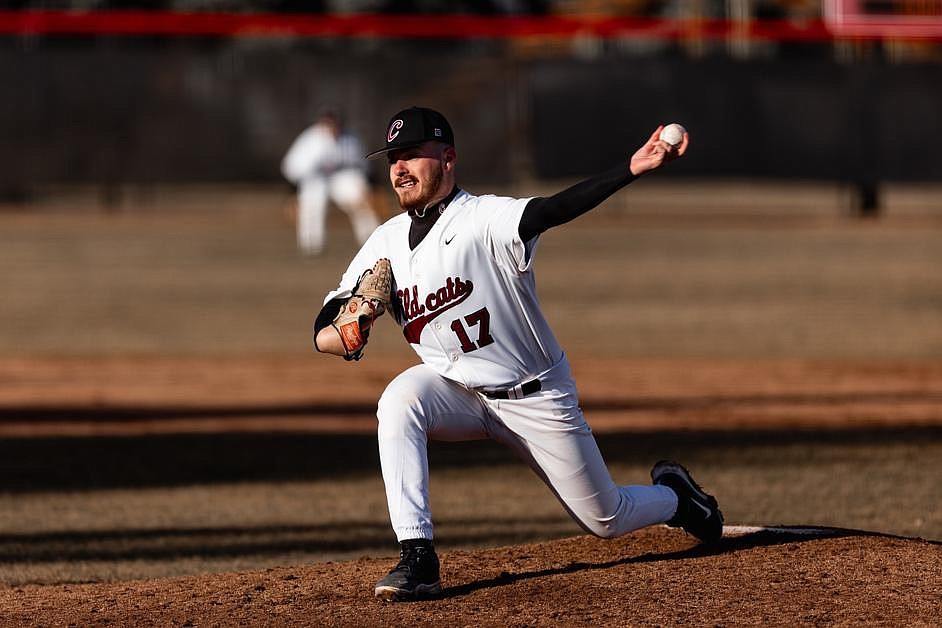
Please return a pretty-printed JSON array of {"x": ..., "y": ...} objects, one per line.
[{"x": 517, "y": 392}]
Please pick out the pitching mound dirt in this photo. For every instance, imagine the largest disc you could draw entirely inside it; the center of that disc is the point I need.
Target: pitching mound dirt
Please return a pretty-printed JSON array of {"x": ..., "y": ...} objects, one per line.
[{"x": 653, "y": 577}]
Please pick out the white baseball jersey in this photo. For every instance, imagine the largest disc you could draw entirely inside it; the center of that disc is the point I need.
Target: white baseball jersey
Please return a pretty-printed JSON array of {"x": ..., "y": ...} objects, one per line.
[
  {"x": 467, "y": 303},
  {"x": 466, "y": 295}
]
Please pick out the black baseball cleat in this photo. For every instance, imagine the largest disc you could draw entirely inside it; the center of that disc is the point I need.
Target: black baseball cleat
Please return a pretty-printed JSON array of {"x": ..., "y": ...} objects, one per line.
[
  {"x": 697, "y": 512},
  {"x": 416, "y": 575}
]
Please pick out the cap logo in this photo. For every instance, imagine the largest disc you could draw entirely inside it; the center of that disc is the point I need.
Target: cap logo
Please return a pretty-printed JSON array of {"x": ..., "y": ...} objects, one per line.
[
  {"x": 393, "y": 130},
  {"x": 438, "y": 132}
]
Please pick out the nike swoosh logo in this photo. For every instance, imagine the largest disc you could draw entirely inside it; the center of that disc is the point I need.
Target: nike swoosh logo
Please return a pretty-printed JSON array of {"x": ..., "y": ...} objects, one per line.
[
  {"x": 448, "y": 241},
  {"x": 706, "y": 511}
]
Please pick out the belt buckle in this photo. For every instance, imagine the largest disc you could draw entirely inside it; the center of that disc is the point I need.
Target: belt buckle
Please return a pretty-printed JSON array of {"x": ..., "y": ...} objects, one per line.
[{"x": 515, "y": 392}]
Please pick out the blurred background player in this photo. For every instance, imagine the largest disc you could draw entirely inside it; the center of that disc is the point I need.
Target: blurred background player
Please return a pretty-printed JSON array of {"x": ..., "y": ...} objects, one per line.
[{"x": 326, "y": 163}]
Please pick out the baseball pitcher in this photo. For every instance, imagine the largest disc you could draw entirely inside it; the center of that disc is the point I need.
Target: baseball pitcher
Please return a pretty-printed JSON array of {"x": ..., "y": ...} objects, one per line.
[{"x": 455, "y": 270}]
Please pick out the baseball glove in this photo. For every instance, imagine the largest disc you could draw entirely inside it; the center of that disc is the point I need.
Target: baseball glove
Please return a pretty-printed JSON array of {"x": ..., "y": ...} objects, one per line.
[{"x": 370, "y": 299}]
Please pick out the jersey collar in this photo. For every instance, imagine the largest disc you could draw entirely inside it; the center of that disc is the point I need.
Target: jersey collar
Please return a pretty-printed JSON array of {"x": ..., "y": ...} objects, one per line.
[
  {"x": 438, "y": 208},
  {"x": 422, "y": 224}
]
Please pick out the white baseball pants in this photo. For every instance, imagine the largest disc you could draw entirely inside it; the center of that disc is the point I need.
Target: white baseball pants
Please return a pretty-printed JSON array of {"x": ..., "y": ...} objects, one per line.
[{"x": 546, "y": 429}]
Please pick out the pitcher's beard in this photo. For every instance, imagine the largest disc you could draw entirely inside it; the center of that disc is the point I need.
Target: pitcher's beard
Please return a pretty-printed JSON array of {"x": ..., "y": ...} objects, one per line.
[{"x": 427, "y": 195}]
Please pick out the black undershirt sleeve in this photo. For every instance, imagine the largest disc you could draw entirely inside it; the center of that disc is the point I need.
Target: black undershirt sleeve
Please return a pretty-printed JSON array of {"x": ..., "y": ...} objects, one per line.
[
  {"x": 326, "y": 316},
  {"x": 542, "y": 213}
]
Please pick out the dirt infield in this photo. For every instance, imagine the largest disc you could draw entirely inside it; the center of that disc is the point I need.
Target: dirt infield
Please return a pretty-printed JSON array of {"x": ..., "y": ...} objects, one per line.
[
  {"x": 653, "y": 577},
  {"x": 128, "y": 478},
  {"x": 173, "y": 454}
]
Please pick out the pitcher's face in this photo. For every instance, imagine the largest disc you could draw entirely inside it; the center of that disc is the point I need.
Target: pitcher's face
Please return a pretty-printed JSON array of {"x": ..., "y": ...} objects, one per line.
[{"x": 421, "y": 174}]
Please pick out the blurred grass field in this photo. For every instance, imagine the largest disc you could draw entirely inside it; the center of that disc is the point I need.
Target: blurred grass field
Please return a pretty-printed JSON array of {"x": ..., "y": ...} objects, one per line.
[
  {"x": 666, "y": 274},
  {"x": 659, "y": 270}
]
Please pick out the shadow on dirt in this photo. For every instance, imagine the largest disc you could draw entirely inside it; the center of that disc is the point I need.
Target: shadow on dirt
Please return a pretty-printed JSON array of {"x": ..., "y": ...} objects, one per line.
[
  {"x": 728, "y": 544},
  {"x": 260, "y": 540},
  {"x": 147, "y": 461},
  {"x": 131, "y": 413}
]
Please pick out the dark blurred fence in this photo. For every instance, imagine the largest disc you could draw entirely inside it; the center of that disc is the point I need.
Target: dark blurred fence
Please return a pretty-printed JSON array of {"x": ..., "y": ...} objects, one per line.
[
  {"x": 121, "y": 110},
  {"x": 175, "y": 110},
  {"x": 812, "y": 119}
]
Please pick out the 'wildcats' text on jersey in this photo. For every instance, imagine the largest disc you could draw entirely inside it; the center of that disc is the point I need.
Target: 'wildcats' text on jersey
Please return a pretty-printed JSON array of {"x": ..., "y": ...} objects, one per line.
[{"x": 419, "y": 313}]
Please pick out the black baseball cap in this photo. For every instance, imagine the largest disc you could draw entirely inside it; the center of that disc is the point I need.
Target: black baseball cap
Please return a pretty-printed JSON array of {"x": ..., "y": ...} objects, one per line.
[{"x": 413, "y": 126}]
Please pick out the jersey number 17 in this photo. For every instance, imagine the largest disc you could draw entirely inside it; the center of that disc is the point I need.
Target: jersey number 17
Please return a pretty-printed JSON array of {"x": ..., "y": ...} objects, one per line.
[{"x": 482, "y": 319}]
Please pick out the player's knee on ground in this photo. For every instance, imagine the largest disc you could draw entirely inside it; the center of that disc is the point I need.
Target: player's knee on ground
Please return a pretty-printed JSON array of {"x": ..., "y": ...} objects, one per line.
[
  {"x": 607, "y": 533},
  {"x": 607, "y": 515},
  {"x": 600, "y": 528},
  {"x": 626, "y": 509},
  {"x": 593, "y": 523}
]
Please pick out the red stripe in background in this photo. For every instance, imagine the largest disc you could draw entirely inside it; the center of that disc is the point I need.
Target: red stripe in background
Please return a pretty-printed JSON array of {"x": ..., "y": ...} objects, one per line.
[{"x": 165, "y": 23}]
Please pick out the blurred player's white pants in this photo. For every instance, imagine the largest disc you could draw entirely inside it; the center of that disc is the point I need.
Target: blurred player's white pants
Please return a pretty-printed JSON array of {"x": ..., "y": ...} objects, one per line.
[
  {"x": 349, "y": 190},
  {"x": 546, "y": 429}
]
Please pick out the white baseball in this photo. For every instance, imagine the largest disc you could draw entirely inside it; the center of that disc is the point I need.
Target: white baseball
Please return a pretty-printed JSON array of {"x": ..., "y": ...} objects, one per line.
[{"x": 673, "y": 134}]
